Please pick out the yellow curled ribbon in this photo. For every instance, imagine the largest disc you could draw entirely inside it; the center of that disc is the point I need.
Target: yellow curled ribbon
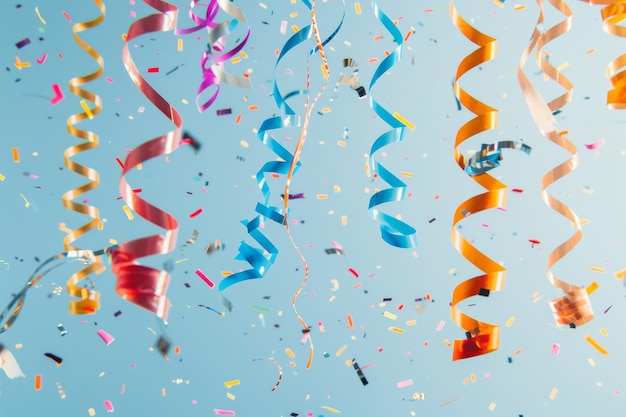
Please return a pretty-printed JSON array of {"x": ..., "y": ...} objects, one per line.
[
  {"x": 88, "y": 303},
  {"x": 574, "y": 307},
  {"x": 612, "y": 15},
  {"x": 482, "y": 338}
]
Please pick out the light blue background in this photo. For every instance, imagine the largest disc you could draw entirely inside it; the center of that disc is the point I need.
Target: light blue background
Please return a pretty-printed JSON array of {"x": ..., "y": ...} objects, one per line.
[{"x": 216, "y": 348}]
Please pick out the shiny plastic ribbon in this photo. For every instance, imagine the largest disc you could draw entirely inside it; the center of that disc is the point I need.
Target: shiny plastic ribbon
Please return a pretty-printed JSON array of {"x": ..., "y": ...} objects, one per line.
[
  {"x": 88, "y": 303},
  {"x": 613, "y": 13},
  {"x": 15, "y": 306},
  {"x": 395, "y": 232},
  {"x": 280, "y": 370},
  {"x": 482, "y": 338},
  {"x": 490, "y": 156},
  {"x": 295, "y": 161},
  {"x": 260, "y": 259},
  {"x": 212, "y": 64},
  {"x": 140, "y": 284},
  {"x": 574, "y": 307}
]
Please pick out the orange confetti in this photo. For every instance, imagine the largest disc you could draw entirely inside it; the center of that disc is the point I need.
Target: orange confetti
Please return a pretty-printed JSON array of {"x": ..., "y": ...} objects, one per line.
[{"x": 16, "y": 155}]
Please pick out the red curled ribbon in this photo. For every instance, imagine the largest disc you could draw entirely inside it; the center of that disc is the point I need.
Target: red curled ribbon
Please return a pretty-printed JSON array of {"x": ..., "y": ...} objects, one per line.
[{"x": 140, "y": 284}]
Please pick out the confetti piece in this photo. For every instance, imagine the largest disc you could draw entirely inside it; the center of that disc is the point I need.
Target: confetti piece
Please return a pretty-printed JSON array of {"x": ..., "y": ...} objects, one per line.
[
  {"x": 2, "y": 177},
  {"x": 390, "y": 315},
  {"x": 396, "y": 329},
  {"x": 22, "y": 43},
  {"x": 353, "y": 272},
  {"x": 440, "y": 325},
  {"x": 406, "y": 174},
  {"x": 37, "y": 382},
  {"x": 603, "y": 332},
  {"x": 119, "y": 161},
  {"x": 350, "y": 321},
  {"x": 229, "y": 384},
  {"x": 153, "y": 70},
  {"x": 129, "y": 214},
  {"x": 221, "y": 412},
  {"x": 26, "y": 202},
  {"x": 238, "y": 119},
  {"x": 592, "y": 287},
  {"x": 106, "y": 337},
  {"x": 357, "y": 8},
  {"x": 492, "y": 406},
  {"x": 195, "y": 213},
  {"x": 180, "y": 45},
  {"x": 519, "y": 7},
  {"x": 595, "y": 145},
  {"x": 42, "y": 59},
  {"x": 85, "y": 107},
  {"x": 58, "y": 94},
  {"x": 41, "y": 19},
  {"x": 331, "y": 409},
  {"x": 67, "y": 16},
  {"x": 91, "y": 412},
  {"x": 19, "y": 64},
  {"x": 404, "y": 121},
  {"x": 510, "y": 321},
  {"x": 620, "y": 274},
  {"x": 16, "y": 155},
  {"x": 553, "y": 393},
  {"x": 405, "y": 383},
  {"x": 224, "y": 112},
  {"x": 206, "y": 279},
  {"x": 596, "y": 345},
  {"x": 555, "y": 349},
  {"x": 108, "y": 405},
  {"x": 340, "y": 350}
]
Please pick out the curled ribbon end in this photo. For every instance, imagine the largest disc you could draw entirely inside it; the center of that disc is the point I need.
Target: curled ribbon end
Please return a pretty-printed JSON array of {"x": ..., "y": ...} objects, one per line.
[
  {"x": 486, "y": 342},
  {"x": 572, "y": 309}
]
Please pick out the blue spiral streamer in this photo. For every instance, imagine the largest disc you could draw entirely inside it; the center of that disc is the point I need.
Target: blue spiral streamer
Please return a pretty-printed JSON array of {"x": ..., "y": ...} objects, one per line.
[
  {"x": 259, "y": 259},
  {"x": 393, "y": 231},
  {"x": 490, "y": 155}
]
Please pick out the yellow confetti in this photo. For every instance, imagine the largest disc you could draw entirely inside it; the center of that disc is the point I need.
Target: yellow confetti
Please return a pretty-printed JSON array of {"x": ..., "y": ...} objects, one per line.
[
  {"x": 129, "y": 213},
  {"x": 243, "y": 143},
  {"x": 336, "y": 189},
  {"x": 85, "y": 107},
  {"x": 396, "y": 329},
  {"x": 591, "y": 362},
  {"x": 510, "y": 321},
  {"x": 340, "y": 350},
  {"x": 124, "y": 37},
  {"x": 492, "y": 406},
  {"x": 447, "y": 342},
  {"x": 519, "y": 7},
  {"x": 603, "y": 332},
  {"x": 322, "y": 196},
  {"x": 357, "y": 8},
  {"x": 295, "y": 28},
  {"x": 620, "y": 274},
  {"x": 332, "y": 410},
  {"x": 163, "y": 393},
  {"x": 290, "y": 353},
  {"x": 235, "y": 60},
  {"x": 592, "y": 287},
  {"x": 101, "y": 270},
  {"x": 226, "y": 273},
  {"x": 411, "y": 322},
  {"x": 390, "y": 315},
  {"x": 232, "y": 383},
  {"x": 39, "y": 15},
  {"x": 230, "y": 396},
  {"x": 404, "y": 121},
  {"x": 180, "y": 45},
  {"x": 597, "y": 346},
  {"x": 326, "y": 110},
  {"x": 344, "y": 220},
  {"x": 19, "y": 64},
  {"x": 2, "y": 177},
  {"x": 406, "y": 174},
  {"x": 91, "y": 412},
  {"x": 335, "y": 284},
  {"x": 341, "y": 143},
  {"x": 563, "y": 66},
  {"x": 597, "y": 269},
  {"x": 553, "y": 393},
  {"x": 324, "y": 71},
  {"x": 473, "y": 378},
  {"x": 294, "y": 14},
  {"x": 244, "y": 54}
]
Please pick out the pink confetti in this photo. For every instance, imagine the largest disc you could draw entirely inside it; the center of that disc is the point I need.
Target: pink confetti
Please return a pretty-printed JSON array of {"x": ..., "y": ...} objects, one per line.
[
  {"x": 58, "y": 94},
  {"x": 109, "y": 80},
  {"x": 440, "y": 325},
  {"x": 67, "y": 16},
  {"x": 555, "y": 349},
  {"x": 109, "y": 406},
  {"x": 283, "y": 27},
  {"x": 595, "y": 145},
  {"x": 42, "y": 59},
  {"x": 221, "y": 412},
  {"x": 337, "y": 245},
  {"x": 205, "y": 278},
  {"x": 405, "y": 383},
  {"x": 106, "y": 337}
]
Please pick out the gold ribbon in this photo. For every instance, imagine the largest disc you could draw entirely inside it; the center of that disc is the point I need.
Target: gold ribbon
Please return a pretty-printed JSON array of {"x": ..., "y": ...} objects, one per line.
[
  {"x": 612, "y": 14},
  {"x": 88, "y": 303},
  {"x": 573, "y": 308},
  {"x": 482, "y": 338}
]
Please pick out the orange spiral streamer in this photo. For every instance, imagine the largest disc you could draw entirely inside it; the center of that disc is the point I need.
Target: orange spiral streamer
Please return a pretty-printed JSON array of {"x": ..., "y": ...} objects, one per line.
[
  {"x": 612, "y": 15},
  {"x": 88, "y": 302},
  {"x": 482, "y": 338},
  {"x": 574, "y": 307}
]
